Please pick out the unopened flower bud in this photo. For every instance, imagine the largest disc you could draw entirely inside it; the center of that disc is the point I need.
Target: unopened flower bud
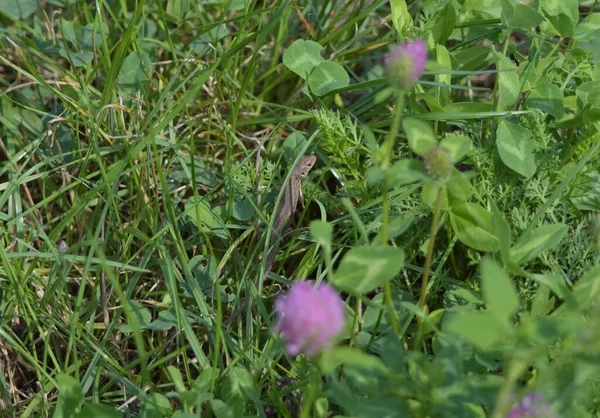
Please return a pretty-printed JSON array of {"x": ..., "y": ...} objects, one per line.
[{"x": 437, "y": 163}]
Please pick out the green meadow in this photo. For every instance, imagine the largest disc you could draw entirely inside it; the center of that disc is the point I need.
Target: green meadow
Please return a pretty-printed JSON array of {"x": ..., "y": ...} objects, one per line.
[{"x": 146, "y": 150}]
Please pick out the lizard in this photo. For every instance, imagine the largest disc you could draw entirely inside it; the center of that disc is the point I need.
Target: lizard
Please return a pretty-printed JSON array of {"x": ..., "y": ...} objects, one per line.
[{"x": 292, "y": 196}]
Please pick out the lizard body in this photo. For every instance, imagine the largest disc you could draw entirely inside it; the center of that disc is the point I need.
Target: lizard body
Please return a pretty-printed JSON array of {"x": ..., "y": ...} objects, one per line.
[{"x": 292, "y": 196}]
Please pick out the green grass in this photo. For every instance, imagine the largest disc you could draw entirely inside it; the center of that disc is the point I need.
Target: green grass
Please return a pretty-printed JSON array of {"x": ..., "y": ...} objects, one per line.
[{"x": 130, "y": 131}]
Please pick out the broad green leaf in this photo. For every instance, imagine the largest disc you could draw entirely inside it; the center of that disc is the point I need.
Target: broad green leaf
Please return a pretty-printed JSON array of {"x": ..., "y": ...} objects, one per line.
[
  {"x": 203, "y": 217},
  {"x": 432, "y": 102},
  {"x": 332, "y": 358},
  {"x": 500, "y": 295},
  {"x": 456, "y": 145},
  {"x": 78, "y": 59},
  {"x": 176, "y": 378},
  {"x": 71, "y": 31},
  {"x": 204, "y": 381},
  {"x": 203, "y": 43},
  {"x": 166, "y": 320},
  {"x": 219, "y": 408},
  {"x": 185, "y": 414},
  {"x": 589, "y": 93},
  {"x": 548, "y": 98},
  {"x": 482, "y": 329},
  {"x": 420, "y": 135},
  {"x": 444, "y": 24},
  {"x": 63, "y": 143},
  {"x": 562, "y": 15},
  {"x": 516, "y": 148},
  {"x": 401, "y": 19},
  {"x": 444, "y": 64},
  {"x": 556, "y": 283},
  {"x": 470, "y": 59},
  {"x": 302, "y": 57},
  {"x": 518, "y": 16},
  {"x": 397, "y": 226},
  {"x": 537, "y": 241},
  {"x": 91, "y": 35},
  {"x": 321, "y": 408},
  {"x": 433, "y": 320},
  {"x": 472, "y": 225},
  {"x": 492, "y": 7},
  {"x": 134, "y": 72},
  {"x": 364, "y": 269},
  {"x": 569, "y": 8},
  {"x": 156, "y": 405},
  {"x": 587, "y": 288},
  {"x": 509, "y": 85},
  {"x": 375, "y": 314},
  {"x": 178, "y": 8},
  {"x": 468, "y": 295},
  {"x": 407, "y": 171},
  {"x": 142, "y": 315},
  {"x": 375, "y": 175},
  {"x": 321, "y": 232},
  {"x": 526, "y": 17},
  {"x": 18, "y": 9},
  {"x": 561, "y": 24},
  {"x": 327, "y": 77},
  {"x": 370, "y": 140},
  {"x": 554, "y": 7},
  {"x": 293, "y": 146},
  {"x": 239, "y": 384},
  {"x": 69, "y": 396},
  {"x": 29, "y": 120},
  {"x": 455, "y": 191},
  {"x": 94, "y": 410},
  {"x": 242, "y": 210},
  {"x": 542, "y": 303},
  {"x": 588, "y": 29}
]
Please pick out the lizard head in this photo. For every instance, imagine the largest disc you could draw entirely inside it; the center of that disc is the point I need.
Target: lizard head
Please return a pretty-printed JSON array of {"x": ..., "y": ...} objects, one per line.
[{"x": 305, "y": 164}]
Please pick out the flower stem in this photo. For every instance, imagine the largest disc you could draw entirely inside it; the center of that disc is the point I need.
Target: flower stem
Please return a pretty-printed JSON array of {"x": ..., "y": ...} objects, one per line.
[
  {"x": 389, "y": 144},
  {"x": 515, "y": 369},
  {"x": 385, "y": 208},
  {"x": 310, "y": 396},
  {"x": 427, "y": 267}
]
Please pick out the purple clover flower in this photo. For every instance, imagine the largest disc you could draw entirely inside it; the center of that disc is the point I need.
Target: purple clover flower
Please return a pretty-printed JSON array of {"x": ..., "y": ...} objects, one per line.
[
  {"x": 309, "y": 318},
  {"x": 532, "y": 405},
  {"x": 406, "y": 63}
]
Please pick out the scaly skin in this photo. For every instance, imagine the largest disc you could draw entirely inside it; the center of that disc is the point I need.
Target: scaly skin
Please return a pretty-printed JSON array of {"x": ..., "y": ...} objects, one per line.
[{"x": 289, "y": 202}]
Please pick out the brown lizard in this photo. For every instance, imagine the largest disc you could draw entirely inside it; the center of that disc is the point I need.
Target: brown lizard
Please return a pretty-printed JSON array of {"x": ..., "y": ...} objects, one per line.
[{"x": 292, "y": 196}]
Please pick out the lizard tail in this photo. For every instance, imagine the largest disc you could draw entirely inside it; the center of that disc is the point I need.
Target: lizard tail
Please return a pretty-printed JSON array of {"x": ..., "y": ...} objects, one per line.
[{"x": 270, "y": 260}]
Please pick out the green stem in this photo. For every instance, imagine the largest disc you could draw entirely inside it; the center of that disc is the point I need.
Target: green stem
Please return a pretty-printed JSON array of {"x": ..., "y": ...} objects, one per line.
[
  {"x": 427, "y": 267},
  {"x": 309, "y": 400},
  {"x": 385, "y": 212},
  {"x": 389, "y": 144},
  {"x": 516, "y": 368},
  {"x": 385, "y": 208}
]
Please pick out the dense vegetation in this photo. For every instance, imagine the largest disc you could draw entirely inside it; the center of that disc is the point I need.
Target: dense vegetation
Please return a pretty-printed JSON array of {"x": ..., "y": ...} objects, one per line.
[{"x": 144, "y": 146}]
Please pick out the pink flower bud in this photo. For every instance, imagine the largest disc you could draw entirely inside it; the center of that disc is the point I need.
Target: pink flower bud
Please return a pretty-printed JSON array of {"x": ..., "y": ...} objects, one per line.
[
  {"x": 406, "y": 63},
  {"x": 309, "y": 318}
]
